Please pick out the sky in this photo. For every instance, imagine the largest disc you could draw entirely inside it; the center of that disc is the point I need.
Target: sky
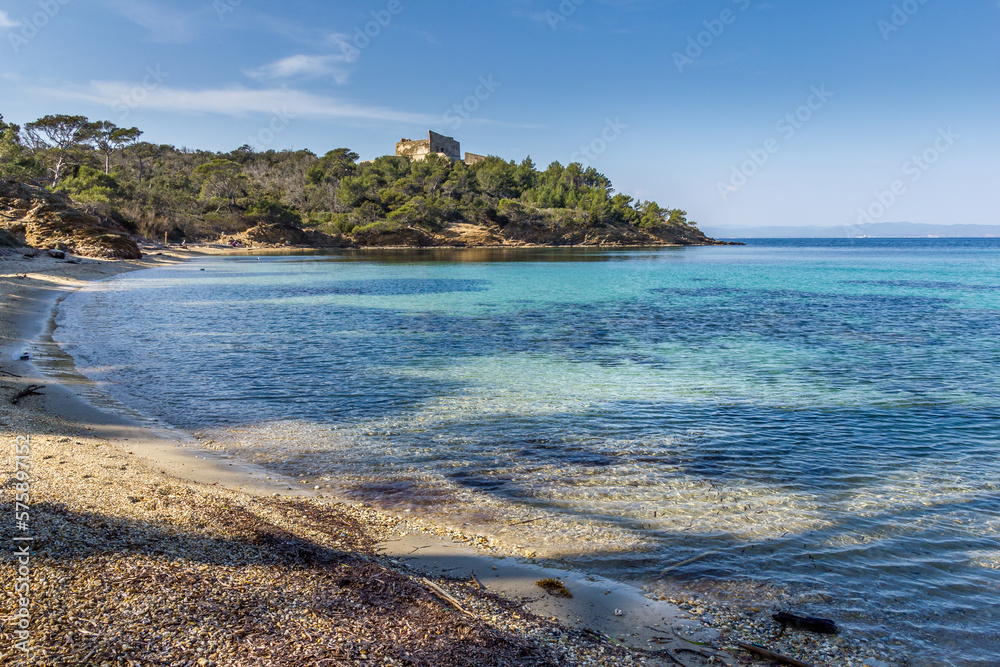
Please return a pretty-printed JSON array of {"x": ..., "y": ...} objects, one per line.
[{"x": 741, "y": 112}]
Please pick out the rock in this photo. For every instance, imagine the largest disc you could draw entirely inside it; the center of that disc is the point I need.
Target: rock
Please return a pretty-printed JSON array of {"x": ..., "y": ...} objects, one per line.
[
  {"x": 58, "y": 254},
  {"x": 43, "y": 219},
  {"x": 390, "y": 234},
  {"x": 8, "y": 240},
  {"x": 283, "y": 234}
]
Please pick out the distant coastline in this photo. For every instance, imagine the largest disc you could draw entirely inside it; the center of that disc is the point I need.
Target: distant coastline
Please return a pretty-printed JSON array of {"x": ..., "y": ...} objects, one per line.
[{"x": 879, "y": 230}]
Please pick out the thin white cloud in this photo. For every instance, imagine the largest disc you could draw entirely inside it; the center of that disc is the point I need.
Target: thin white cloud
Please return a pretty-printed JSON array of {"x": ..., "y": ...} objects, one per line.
[
  {"x": 6, "y": 21},
  {"x": 303, "y": 66},
  {"x": 165, "y": 24},
  {"x": 237, "y": 101}
]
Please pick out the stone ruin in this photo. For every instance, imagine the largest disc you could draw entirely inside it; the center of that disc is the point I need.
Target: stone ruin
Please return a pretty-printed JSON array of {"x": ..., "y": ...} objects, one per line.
[{"x": 435, "y": 144}]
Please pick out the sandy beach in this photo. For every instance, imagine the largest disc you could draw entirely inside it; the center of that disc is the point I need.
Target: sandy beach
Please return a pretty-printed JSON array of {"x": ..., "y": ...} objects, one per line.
[{"x": 146, "y": 548}]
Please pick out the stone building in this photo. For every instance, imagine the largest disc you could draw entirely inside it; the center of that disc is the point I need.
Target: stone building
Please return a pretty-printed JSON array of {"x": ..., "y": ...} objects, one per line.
[{"x": 436, "y": 144}]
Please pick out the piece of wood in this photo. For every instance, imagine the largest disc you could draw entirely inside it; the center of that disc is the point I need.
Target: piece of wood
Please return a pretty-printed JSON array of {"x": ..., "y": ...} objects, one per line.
[
  {"x": 685, "y": 639},
  {"x": 31, "y": 390},
  {"x": 476, "y": 581},
  {"x": 521, "y": 523},
  {"x": 688, "y": 561},
  {"x": 444, "y": 595},
  {"x": 771, "y": 655},
  {"x": 811, "y": 623}
]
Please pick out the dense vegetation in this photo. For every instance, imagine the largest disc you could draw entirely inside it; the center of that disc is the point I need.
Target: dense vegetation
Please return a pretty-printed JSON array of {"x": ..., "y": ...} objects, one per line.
[{"x": 156, "y": 189}]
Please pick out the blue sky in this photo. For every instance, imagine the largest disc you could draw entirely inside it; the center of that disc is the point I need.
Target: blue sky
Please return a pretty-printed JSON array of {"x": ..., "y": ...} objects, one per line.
[{"x": 742, "y": 112}]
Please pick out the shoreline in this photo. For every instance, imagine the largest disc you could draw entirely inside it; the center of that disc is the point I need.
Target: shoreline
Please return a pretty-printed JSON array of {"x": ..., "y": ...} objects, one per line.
[{"x": 173, "y": 458}]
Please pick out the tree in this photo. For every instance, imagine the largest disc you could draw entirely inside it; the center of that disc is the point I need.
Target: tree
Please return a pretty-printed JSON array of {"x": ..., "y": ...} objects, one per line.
[
  {"x": 222, "y": 178},
  {"x": 243, "y": 155},
  {"x": 14, "y": 160},
  {"x": 496, "y": 177},
  {"x": 649, "y": 214},
  {"x": 272, "y": 211},
  {"x": 677, "y": 217},
  {"x": 108, "y": 138},
  {"x": 59, "y": 138},
  {"x": 140, "y": 150},
  {"x": 334, "y": 166},
  {"x": 526, "y": 174},
  {"x": 91, "y": 185}
]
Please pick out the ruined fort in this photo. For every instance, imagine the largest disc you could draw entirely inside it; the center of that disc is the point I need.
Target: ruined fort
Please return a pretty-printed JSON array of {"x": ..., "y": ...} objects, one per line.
[{"x": 435, "y": 144}]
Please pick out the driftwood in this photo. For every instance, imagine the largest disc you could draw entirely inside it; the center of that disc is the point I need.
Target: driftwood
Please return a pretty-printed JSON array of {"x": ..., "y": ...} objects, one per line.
[
  {"x": 614, "y": 642},
  {"x": 444, "y": 595},
  {"x": 685, "y": 639},
  {"x": 688, "y": 561},
  {"x": 669, "y": 655},
  {"x": 763, "y": 652},
  {"x": 476, "y": 581},
  {"x": 811, "y": 623},
  {"x": 521, "y": 523},
  {"x": 31, "y": 390},
  {"x": 691, "y": 650},
  {"x": 8, "y": 374}
]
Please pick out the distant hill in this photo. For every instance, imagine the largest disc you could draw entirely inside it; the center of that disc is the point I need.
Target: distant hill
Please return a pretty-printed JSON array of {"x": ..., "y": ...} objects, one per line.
[{"x": 878, "y": 230}]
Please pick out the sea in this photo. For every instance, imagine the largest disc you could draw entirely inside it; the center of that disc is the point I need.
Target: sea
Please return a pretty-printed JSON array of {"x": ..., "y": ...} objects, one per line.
[{"x": 815, "y": 419}]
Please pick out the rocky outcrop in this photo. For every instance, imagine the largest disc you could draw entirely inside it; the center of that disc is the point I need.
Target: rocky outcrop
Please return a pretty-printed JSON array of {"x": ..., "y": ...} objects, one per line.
[
  {"x": 279, "y": 235},
  {"x": 537, "y": 233},
  {"x": 533, "y": 233},
  {"x": 396, "y": 235},
  {"x": 465, "y": 234},
  {"x": 43, "y": 219}
]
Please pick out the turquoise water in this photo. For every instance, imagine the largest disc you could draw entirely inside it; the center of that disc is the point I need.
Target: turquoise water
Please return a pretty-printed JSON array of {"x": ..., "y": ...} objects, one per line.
[{"x": 820, "y": 416}]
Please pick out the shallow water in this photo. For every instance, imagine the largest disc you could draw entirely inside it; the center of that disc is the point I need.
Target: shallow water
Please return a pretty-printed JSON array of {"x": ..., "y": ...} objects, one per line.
[{"x": 820, "y": 415}]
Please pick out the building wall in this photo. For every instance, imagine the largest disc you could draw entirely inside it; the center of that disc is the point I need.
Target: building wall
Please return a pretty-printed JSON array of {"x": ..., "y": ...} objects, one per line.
[
  {"x": 446, "y": 145},
  {"x": 435, "y": 143},
  {"x": 415, "y": 150}
]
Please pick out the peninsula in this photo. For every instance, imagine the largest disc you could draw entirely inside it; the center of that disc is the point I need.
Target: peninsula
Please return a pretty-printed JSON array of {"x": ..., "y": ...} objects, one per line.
[{"x": 92, "y": 187}]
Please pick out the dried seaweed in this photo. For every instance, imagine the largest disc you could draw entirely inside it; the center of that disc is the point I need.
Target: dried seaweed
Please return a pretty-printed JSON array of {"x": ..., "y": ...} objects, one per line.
[{"x": 554, "y": 587}]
